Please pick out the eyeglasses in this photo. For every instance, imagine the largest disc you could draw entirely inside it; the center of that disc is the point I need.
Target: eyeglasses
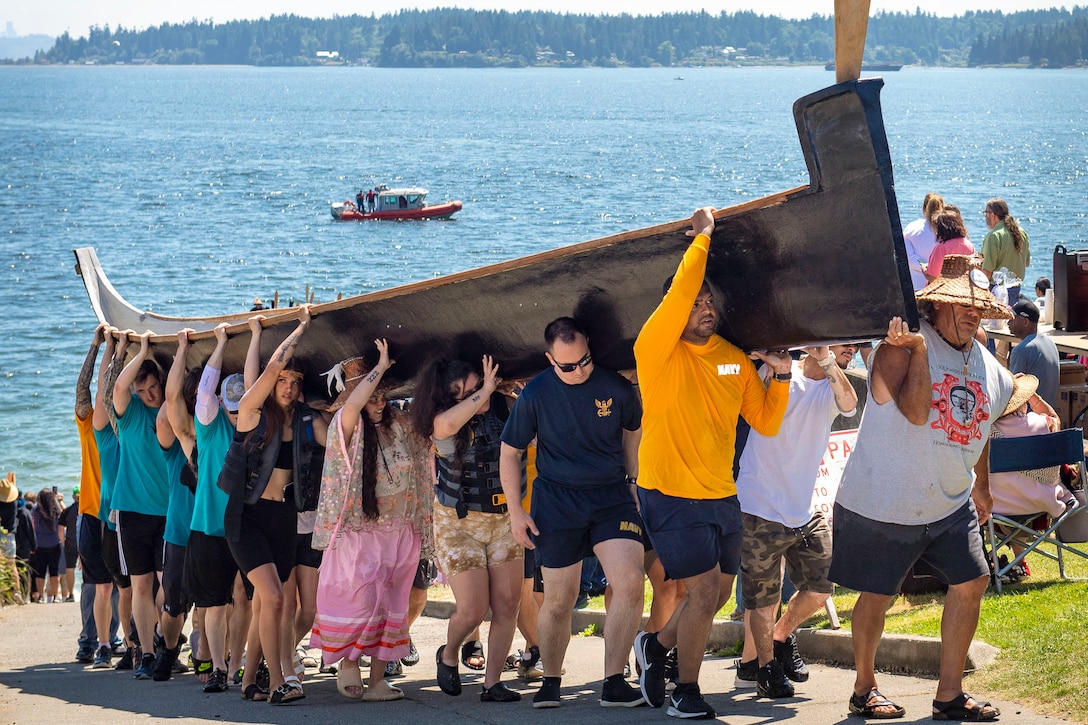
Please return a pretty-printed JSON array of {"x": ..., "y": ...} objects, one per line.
[{"x": 571, "y": 367}]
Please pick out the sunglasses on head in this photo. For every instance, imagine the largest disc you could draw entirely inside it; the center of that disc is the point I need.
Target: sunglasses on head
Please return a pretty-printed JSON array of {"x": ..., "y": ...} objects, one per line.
[{"x": 571, "y": 367}]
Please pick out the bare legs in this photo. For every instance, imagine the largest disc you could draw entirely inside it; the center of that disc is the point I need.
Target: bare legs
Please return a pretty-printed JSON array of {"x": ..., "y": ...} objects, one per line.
[
  {"x": 477, "y": 590},
  {"x": 689, "y": 626}
]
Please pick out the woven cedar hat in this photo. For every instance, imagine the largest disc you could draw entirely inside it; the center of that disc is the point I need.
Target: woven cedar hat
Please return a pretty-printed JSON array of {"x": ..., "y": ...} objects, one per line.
[
  {"x": 1023, "y": 387},
  {"x": 962, "y": 282}
]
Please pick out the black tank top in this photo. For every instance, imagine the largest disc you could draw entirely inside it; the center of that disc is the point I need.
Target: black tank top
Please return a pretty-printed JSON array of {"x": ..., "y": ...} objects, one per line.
[{"x": 286, "y": 456}]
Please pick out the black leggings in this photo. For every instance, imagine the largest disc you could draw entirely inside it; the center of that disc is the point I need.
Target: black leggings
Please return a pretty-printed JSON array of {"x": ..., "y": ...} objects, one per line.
[{"x": 267, "y": 536}]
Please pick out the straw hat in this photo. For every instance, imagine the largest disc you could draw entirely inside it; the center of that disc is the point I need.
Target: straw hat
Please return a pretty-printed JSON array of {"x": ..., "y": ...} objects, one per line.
[
  {"x": 962, "y": 282},
  {"x": 8, "y": 490},
  {"x": 1023, "y": 387}
]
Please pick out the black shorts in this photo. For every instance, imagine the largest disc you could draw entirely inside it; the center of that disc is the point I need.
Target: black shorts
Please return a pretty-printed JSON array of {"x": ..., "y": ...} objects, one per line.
[
  {"x": 305, "y": 553},
  {"x": 71, "y": 557},
  {"x": 572, "y": 521},
  {"x": 46, "y": 561},
  {"x": 89, "y": 537},
  {"x": 209, "y": 570},
  {"x": 176, "y": 599},
  {"x": 873, "y": 556},
  {"x": 266, "y": 536},
  {"x": 141, "y": 542},
  {"x": 692, "y": 536},
  {"x": 426, "y": 573},
  {"x": 532, "y": 571},
  {"x": 111, "y": 557}
]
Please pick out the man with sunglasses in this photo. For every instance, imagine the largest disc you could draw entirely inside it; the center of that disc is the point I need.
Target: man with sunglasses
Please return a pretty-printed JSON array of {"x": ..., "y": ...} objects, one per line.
[
  {"x": 586, "y": 421},
  {"x": 694, "y": 387}
]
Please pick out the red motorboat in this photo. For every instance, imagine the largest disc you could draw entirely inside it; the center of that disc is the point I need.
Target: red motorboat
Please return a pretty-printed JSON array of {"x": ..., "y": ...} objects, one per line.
[{"x": 386, "y": 203}]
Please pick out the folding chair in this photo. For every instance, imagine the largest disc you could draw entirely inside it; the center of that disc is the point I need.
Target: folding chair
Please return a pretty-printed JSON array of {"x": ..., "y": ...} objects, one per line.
[{"x": 1029, "y": 453}]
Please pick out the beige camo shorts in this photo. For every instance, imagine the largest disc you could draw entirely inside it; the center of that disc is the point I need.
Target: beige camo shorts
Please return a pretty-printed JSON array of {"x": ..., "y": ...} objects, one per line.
[
  {"x": 477, "y": 541},
  {"x": 807, "y": 551}
]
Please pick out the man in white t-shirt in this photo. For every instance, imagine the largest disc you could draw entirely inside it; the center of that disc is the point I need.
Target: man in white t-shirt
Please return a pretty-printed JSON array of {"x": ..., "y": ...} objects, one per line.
[{"x": 775, "y": 488}]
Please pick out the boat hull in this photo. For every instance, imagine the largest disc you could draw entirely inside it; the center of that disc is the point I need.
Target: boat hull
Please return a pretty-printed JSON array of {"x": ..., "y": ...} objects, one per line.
[
  {"x": 342, "y": 212},
  {"x": 819, "y": 263}
]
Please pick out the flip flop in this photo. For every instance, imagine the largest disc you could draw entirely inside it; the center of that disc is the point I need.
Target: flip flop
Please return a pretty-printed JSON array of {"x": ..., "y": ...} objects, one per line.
[
  {"x": 470, "y": 649},
  {"x": 866, "y": 706},
  {"x": 349, "y": 677},
  {"x": 958, "y": 709}
]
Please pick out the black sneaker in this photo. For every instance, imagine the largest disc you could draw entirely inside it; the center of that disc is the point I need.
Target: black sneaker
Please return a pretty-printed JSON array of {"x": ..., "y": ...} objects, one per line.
[
  {"x": 746, "y": 675},
  {"x": 103, "y": 659},
  {"x": 125, "y": 663},
  {"x": 652, "y": 678},
  {"x": 771, "y": 681},
  {"x": 687, "y": 703},
  {"x": 217, "y": 682},
  {"x": 786, "y": 653},
  {"x": 621, "y": 694},
  {"x": 582, "y": 601},
  {"x": 85, "y": 656},
  {"x": 147, "y": 666},
  {"x": 548, "y": 694},
  {"x": 672, "y": 671},
  {"x": 163, "y": 668},
  {"x": 412, "y": 658}
]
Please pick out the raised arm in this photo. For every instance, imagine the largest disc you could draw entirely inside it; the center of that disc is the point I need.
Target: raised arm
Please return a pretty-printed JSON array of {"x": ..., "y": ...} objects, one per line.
[
  {"x": 901, "y": 372},
  {"x": 122, "y": 389},
  {"x": 100, "y": 416},
  {"x": 114, "y": 371},
  {"x": 207, "y": 400},
  {"x": 448, "y": 422},
  {"x": 252, "y": 368},
  {"x": 83, "y": 384},
  {"x": 181, "y": 423},
  {"x": 353, "y": 407},
  {"x": 846, "y": 398},
  {"x": 249, "y": 408}
]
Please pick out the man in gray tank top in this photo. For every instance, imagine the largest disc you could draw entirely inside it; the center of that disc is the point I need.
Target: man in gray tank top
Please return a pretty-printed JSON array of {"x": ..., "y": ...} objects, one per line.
[{"x": 917, "y": 483}]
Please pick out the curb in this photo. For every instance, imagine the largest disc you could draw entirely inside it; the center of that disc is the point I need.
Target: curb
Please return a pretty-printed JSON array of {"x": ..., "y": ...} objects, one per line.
[{"x": 897, "y": 653}]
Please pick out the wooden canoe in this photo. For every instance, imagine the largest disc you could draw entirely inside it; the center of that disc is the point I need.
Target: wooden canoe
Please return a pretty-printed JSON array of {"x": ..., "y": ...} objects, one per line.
[{"x": 818, "y": 263}]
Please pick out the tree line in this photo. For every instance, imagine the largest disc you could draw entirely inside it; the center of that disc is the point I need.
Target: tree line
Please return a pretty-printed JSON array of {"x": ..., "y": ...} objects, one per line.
[{"x": 482, "y": 38}]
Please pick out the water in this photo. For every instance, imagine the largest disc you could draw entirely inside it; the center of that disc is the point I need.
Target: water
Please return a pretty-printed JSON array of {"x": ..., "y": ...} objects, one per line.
[{"x": 204, "y": 187}]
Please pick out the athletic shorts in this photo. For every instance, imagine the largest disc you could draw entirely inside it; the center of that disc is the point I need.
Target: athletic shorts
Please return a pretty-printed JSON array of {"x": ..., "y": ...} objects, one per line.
[
  {"x": 176, "y": 599},
  {"x": 46, "y": 561},
  {"x": 572, "y": 521},
  {"x": 692, "y": 536},
  {"x": 426, "y": 573},
  {"x": 111, "y": 557},
  {"x": 209, "y": 570},
  {"x": 873, "y": 556},
  {"x": 305, "y": 553},
  {"x": 89, "y": 537},
  {"x": 141, "y": 542},
  {"x": 806, "y": 549},
  {"x": 267, "y": 536},
  {"x": 478, "y": 541}
]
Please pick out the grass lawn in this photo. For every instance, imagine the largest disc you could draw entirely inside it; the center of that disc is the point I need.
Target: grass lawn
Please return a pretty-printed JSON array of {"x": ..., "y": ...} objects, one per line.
[{"x": 1040, "y": 625}]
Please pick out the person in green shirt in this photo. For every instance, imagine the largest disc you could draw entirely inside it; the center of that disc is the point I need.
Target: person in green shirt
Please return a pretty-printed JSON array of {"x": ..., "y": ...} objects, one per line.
[{"x": 1006, "y": 244}]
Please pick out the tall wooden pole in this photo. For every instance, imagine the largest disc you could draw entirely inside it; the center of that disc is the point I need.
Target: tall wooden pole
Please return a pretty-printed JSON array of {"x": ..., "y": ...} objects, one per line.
[{"x": 851, "y": 21}]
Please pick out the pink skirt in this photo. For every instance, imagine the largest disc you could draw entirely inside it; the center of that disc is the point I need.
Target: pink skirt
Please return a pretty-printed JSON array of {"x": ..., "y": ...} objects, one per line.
[{"x": 362, "y": 595}]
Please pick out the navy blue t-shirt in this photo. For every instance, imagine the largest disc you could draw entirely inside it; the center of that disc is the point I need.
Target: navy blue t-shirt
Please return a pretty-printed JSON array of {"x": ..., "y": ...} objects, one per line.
[{"x": 579, "y": 428}]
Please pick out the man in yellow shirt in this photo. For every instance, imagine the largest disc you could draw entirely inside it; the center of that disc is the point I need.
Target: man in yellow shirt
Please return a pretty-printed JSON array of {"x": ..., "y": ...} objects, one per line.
[{"x": 694, "y": 387}]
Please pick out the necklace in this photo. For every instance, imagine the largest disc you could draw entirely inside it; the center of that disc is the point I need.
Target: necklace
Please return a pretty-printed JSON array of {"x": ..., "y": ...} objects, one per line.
[{"x": 966, "y": 355}]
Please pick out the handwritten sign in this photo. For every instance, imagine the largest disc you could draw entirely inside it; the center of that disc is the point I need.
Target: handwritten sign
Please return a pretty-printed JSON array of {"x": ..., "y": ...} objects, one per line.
[{"x": 839, "y": 446}]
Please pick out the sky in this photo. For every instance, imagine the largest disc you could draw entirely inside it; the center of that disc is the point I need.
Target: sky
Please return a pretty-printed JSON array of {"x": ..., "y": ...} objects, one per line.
[{"x": 53, "y": 17}]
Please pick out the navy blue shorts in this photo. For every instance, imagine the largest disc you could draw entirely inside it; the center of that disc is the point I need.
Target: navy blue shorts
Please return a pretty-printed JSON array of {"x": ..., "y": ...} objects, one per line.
[
  {"x": 692, "y": 536},
  {"x": 874, "y": 556},
  {"x": 89, "y": 537},
  {"x": 572, "y": 521}
]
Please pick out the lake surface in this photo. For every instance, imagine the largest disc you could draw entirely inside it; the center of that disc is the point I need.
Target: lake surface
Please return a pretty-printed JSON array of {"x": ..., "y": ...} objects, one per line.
[{"x": 203, "y": 187}]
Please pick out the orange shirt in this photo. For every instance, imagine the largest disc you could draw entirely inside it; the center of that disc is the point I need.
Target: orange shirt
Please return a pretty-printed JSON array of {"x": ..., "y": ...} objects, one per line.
[{"x": 90, "y": 477}]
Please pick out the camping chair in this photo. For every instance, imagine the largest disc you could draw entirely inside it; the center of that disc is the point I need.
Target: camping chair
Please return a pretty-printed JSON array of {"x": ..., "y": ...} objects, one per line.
[{"x": 1071, "y": 527}]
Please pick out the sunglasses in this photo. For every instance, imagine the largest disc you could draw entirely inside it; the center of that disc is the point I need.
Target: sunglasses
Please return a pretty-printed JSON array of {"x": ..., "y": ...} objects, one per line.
[{"x": 571, "y": 367}]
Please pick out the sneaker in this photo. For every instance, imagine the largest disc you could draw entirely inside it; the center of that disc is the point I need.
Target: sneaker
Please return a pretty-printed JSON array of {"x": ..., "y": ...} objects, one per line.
[
  {"x": 530, "y": 667},
  {"x": 786, "y": 653},
  {"x": 687, "y": 703},
  {"x": 393, "y": 668},
  {"x": 217, "y": 682},
  {"x": 69, "y": 598},
  {"x": 146, "y": 668},
  {"x": 103, "y": 659},
  {"x": 746, "y": 674},
  {"x": 582, "y": 601},
  {"x": 652, "y": 678},
  {"x": 127, "y": 659},
  {"x": 672, "y": 671},
  {"x": 548, "y": 694},
  {"x": 163, "y": 668},
  {"x": 771, "y": 681},
  {"x": 85, "y": 656},
  {"x": 621, "y": 694},
  {"x": 412, "y": 658}
]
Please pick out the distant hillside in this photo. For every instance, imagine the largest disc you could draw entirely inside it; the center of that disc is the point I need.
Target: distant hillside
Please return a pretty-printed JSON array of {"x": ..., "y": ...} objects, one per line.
[
  {"x": 24, "y": 46},
  {"x": 470, "y": 38}
]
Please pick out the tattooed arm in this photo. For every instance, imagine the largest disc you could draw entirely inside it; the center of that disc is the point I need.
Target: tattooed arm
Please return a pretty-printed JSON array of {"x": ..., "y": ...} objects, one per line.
[
  {"x": 249, "y": 408},
  {"x": 83, "y": 385}
]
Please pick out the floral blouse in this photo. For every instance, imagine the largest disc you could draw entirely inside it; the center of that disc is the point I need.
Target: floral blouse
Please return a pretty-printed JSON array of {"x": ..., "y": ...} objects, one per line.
[{"x": 405, "y": 484}]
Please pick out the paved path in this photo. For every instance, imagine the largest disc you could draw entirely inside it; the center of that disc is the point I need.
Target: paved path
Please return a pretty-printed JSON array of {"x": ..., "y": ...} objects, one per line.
[{"x": 40, "y": 684}]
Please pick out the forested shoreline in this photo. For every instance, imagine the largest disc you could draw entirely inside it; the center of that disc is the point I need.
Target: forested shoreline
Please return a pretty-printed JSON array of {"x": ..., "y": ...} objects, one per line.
[{"x": 469, "y": 38}]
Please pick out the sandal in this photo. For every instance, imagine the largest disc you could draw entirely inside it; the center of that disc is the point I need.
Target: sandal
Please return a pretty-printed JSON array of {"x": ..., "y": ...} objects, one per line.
[
  {"x": 201, "y": 667},
  {"x": 255, "y": 692},
  {"x": 449, "y": 680},
  {"x": 868, "y": 706},
  {"x": 347, "y": 678},
  {"x": 472, "y": 655},
  {"x": 964, "y": 708},
  {"x": 382, "y": 691},
  {"x": 499, "y": 692},
  {"x": 288, "y": 692}
]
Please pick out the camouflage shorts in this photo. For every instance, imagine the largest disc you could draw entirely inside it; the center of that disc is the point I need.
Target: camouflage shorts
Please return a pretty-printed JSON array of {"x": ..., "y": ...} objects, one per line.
[
  {"x": 806, "y": 550},
  {"x": 477, "y": 541}
]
